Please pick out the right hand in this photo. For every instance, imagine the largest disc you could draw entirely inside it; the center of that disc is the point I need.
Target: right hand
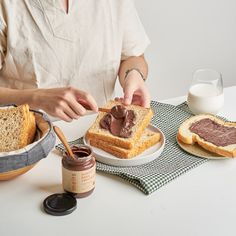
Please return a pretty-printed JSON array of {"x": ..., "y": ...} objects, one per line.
[{"x": 64, "y": 103}]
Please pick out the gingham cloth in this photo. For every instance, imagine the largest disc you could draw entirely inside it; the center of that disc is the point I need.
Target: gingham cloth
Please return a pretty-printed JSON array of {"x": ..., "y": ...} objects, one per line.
[{"x": 169, "y": 165}]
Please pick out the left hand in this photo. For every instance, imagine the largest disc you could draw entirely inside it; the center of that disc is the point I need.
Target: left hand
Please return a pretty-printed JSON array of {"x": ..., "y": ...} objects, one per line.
[{"x": 135, "y": 91}]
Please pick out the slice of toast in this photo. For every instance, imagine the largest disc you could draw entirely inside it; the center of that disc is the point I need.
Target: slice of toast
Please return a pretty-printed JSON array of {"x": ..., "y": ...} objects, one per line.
[
  {"x": 143, "y": 117},
  {"x": 186, "y": 135},
  {"x": 148, "y": 139},
  {"x": 17, "y": 127}
]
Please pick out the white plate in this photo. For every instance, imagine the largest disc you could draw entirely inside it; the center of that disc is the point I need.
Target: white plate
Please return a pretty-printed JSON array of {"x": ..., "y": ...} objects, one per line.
[
  {"x": 198, "y": 151},
  {"x": 147, "y": 156}
]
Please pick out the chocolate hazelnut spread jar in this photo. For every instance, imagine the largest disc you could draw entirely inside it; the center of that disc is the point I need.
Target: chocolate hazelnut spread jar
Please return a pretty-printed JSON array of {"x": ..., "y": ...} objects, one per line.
[{"x": 78, "y": 175}]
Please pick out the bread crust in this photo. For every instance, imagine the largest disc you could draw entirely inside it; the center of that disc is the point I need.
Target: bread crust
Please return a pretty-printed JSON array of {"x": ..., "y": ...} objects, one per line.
[
  {"x": 28, "y": 126},
  {"x": 32, "y": 128},
  {"x": 151, "y": 139},
  {"x": 25, "y": 125},
  {"x": 187, "y": 137}
]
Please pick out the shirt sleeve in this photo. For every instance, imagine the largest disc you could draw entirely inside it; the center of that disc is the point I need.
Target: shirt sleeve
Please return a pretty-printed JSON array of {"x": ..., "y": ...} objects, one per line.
[
  {"x": 135, "y": 39},
  {"x": 3, "y": 37}
]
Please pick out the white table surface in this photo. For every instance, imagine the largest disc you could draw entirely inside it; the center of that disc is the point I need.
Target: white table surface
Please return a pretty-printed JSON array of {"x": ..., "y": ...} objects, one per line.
[{"x": 200, "y": 202}]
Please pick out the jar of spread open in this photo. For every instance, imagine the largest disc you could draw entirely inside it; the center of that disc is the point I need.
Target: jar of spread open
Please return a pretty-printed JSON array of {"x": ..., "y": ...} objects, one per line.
[{"x": 78, "y": 174}]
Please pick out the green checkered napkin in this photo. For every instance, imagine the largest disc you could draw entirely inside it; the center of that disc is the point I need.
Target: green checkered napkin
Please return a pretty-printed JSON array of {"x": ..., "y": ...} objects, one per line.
[{"x": 169, "y": 165}]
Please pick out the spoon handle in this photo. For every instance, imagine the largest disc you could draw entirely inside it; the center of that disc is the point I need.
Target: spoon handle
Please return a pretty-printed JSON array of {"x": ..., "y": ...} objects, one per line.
[
  {"x": 101, "y": 109},
  {"x": 63, "y": 140}
]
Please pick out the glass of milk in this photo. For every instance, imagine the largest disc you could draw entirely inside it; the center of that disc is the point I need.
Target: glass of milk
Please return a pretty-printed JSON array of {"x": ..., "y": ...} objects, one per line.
[{"x": 206, "y": 92}]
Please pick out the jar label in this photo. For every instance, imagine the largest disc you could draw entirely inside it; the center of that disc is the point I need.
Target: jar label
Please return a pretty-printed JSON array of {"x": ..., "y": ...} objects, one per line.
[{"x": 78, "y": 181}]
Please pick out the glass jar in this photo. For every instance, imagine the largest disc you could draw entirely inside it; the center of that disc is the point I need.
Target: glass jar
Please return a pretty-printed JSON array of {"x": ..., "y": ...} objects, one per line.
[{"x": 78, "y": 175}]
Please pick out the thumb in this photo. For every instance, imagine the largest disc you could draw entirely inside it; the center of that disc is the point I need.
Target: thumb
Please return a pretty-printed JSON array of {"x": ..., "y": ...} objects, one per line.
[{"x": 128, "y": 94}]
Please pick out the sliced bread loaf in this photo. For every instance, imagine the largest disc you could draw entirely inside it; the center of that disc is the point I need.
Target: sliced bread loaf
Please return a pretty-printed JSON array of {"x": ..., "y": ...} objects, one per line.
[
  {"x": 17, "y": 127},
  {"x": 142, "y": 119},
  {"x": 148, "y": 139},
  {"x": 211, "y": 133}
]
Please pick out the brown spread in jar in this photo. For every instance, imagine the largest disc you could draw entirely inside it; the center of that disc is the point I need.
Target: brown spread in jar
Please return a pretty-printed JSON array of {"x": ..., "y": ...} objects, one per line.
[
  {"x": 119, "y": 121},
  {"x": 213, "y": 132},
  {"x": 78, "y": 175}
]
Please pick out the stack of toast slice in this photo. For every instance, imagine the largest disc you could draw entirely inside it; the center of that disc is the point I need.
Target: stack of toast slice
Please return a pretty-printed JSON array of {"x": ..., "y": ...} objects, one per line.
[
  {"x": 17, "y": 127},
  {"x": 141, "y": 138}
]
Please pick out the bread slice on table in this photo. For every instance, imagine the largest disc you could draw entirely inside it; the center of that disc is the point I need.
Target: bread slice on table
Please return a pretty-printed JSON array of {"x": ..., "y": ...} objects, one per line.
[
  {"x": 143, "y": 117},
  {"x": 17, "y": 127},
  {"x": 148, "y": 139},
  {"x": 186, "y": 136}
]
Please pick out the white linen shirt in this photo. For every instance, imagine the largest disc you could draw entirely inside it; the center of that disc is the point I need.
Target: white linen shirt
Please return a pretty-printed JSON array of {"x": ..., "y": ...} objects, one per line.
[{"x": 42, "y": 46}]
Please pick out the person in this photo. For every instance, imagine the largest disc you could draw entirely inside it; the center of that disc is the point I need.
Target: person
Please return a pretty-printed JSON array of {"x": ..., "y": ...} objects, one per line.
[{"x": 64, "y": 56}]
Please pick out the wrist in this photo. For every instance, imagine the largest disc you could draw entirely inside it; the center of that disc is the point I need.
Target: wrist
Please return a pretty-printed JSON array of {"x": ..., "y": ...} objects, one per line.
[
  {"x": 34, "y": 98},
  {"x": 136, "y": 73},
  {"x": 133, "y": 76}
]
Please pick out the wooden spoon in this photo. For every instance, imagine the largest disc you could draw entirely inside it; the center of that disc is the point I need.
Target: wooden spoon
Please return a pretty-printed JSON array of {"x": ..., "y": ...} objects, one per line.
[{"x": 64, "y": 141}]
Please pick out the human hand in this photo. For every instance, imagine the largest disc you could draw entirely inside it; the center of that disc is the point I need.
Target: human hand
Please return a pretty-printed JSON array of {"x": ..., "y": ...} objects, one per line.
[
  {"x": 65, "y": 103},
  {"x": 135, "y": 91}
]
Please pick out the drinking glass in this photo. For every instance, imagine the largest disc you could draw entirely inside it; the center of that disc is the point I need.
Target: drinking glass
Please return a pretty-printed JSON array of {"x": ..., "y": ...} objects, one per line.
[{"x": 205, "y": 94}]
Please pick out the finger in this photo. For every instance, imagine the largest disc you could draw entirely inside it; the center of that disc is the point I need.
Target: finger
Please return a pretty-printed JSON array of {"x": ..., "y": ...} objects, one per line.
[
  {"x": 77, "y": 108},
  {"x": 146, "y": 103},
  {"x": 69, "y": 112},
  {"x": 86, "y": 99},
  {"x": 128, "y": 94},
  {"x": 70, "y": 101},
  {"x": 145, "y": 99},
  {"x": 61, "y": 115}
]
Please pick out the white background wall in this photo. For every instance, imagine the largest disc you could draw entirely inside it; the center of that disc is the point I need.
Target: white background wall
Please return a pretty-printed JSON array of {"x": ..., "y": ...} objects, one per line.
[{"x": 186, "y": 35}]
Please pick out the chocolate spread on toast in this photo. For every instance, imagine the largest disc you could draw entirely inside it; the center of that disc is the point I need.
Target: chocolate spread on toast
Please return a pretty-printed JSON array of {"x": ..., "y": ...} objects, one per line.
[
  {"x": 119, "y": 121},
  {"x": 213, "y": 132}
]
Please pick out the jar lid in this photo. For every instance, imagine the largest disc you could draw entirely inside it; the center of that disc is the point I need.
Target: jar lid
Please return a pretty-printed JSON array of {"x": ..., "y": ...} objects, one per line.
[{"x": 60, "y": 204}]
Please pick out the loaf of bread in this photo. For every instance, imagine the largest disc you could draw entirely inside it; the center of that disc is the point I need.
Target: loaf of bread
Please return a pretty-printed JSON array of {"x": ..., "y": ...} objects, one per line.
[
  {"x": 17, "y": 127},
  {"x": 142, "y": 119},
  {"x": 148, "y": 139},
  {"x": 211, "y": 133}
]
